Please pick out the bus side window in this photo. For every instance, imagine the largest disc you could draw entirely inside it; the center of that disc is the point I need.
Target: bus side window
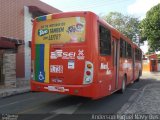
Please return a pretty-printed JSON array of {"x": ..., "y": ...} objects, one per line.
[
  {"x": 122, "y": 48},
  {"x": 105, "y": 40},
  {"x": 129, "y": 51},
  {"x": 138, "y": 54},
  {"x": 135, "y": 54}
]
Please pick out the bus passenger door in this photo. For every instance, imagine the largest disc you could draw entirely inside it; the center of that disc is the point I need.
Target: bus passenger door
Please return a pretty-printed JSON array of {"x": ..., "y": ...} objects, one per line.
[{"x": 115, "y": 53}]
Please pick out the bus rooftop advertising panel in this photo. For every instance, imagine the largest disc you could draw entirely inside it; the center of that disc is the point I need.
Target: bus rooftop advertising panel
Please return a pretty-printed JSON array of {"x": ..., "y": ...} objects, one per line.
[{"x": 60, "y": 31}]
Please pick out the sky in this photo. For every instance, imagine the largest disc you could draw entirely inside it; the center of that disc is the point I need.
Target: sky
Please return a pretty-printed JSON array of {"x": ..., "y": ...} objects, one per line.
[{"x": 137, "y": 8}]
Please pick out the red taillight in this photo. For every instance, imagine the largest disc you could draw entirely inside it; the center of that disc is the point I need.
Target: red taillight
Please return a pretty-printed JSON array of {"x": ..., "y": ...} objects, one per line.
[{"x": 88, "y": 73}]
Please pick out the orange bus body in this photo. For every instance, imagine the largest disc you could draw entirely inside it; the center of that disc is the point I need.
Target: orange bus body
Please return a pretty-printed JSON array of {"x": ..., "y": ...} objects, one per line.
[{"x": 68, "y": 56}]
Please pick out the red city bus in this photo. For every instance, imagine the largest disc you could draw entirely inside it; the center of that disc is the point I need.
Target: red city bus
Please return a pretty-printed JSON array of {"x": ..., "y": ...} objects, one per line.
[{"x": 78, "y": 53}]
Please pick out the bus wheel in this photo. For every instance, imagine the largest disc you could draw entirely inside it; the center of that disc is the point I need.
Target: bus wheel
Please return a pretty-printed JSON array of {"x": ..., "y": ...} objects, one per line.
[
  {"x": 123, "y": 85},
  {"x": 138, "y": 77}
]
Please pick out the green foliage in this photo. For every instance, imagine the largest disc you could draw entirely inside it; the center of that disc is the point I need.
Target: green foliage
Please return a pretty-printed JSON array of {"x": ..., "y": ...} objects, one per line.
[
  {"x": 127, "y": 25},
  {"x": 150, "y": 51},
  {"x": 150, "y": 27}
]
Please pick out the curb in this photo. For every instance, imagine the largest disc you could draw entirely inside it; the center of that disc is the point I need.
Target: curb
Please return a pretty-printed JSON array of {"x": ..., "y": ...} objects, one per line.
[{"x": 15, "y": 91}]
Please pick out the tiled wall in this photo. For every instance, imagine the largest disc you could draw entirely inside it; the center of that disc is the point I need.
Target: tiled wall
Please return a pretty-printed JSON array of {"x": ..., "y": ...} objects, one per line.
[{"x": 9, "y": 69}]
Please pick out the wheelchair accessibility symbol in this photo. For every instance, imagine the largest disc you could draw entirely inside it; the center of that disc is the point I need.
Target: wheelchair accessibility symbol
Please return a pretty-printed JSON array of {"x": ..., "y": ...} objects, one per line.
[{"x": 41, "y": 76}]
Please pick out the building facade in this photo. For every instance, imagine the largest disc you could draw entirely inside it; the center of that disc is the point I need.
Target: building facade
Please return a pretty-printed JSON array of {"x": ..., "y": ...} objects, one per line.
[
  {"x": 151, "y": 63},
  {"x": 15, "y": 36}
]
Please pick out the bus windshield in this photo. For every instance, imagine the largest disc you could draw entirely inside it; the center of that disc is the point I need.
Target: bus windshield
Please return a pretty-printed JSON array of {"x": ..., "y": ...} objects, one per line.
[{"x": 60, "y": 31}]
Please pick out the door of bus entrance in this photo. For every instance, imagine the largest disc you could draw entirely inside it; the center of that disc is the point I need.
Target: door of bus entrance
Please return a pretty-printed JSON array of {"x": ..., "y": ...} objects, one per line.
[{"x": 115, "y": 53}]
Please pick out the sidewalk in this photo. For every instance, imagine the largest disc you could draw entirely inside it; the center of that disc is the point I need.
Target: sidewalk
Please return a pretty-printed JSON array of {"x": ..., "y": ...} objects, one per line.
[
  {"x": 145, "y": 100},
  {"x": 13, "y": 91},
  {"x": 151, "y": 75},
  {"x": 22, "y": 87}
]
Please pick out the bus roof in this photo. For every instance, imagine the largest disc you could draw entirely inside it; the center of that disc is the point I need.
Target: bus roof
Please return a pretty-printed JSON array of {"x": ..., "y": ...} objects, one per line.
[{"x": 63, "y": 14}]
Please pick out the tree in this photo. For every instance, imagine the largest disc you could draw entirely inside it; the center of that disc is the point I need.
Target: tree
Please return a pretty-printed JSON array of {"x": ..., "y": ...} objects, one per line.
[
  {"x": 150, "y": 28},
  {"x": 127, "y": 25}
]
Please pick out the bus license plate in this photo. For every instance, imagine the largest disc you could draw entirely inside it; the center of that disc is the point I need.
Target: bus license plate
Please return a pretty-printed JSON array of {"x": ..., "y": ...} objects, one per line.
[{"x": 57, "y": 89}]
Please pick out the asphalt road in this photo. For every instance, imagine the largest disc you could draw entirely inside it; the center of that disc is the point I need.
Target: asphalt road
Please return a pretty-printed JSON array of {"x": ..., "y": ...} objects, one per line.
[{"x": 48, "y": 106}]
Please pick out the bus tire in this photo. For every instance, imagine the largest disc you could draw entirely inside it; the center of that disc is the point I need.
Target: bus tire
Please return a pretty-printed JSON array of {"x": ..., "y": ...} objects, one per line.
[
  {"x": 123, "y": 85},
  {"x": 137, "y": 80}
]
